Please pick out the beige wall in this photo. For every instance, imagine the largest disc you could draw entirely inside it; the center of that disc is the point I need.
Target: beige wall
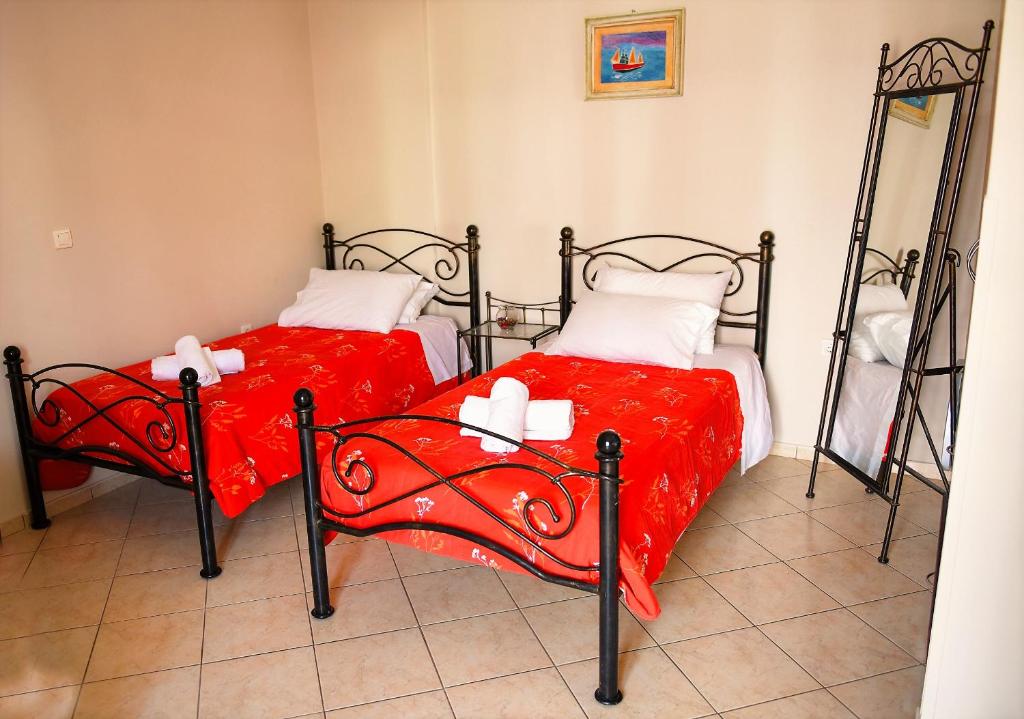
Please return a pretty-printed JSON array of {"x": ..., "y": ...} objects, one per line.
[
  {"x": 769, "y": 134},
  {"x": 976, "y": 655},
  {"x": 178, "y": 142}
]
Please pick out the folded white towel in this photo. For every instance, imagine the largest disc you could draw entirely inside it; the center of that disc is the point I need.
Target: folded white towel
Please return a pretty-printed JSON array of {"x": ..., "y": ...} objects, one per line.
[
  {"x": 547, "y": 420},
  {"x": 226, "y": 361},
  {"x": 192, "y": 354},
  {"x": 506, "y": 415}
]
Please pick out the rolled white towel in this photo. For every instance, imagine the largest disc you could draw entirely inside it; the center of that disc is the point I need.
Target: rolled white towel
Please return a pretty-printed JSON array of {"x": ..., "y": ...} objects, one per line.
[
  {"x": 226, "y": 361},
  {"x": 164, "y": 368},
  {"x": 192, "y": 354},
  {"x": 506, "y": 415},
  {"x": 547, "y": 420}
]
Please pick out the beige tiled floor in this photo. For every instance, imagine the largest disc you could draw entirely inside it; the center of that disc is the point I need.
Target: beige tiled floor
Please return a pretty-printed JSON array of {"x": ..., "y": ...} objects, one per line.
[{"x": 773, "y": 606}]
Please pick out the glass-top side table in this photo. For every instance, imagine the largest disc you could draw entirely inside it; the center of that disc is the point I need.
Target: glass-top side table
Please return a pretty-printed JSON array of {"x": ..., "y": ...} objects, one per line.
[{"x": 508, "y": 320}]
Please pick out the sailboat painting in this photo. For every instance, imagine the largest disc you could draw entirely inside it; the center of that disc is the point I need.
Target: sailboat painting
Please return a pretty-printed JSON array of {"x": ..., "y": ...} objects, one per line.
[
  {"x": 625, "y": 57},
  {"x": 636, "y": 55}
]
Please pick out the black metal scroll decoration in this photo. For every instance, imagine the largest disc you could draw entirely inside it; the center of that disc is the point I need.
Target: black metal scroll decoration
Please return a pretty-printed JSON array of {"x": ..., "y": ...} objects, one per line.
[
  {"x": 563, "y": 522},
  {"x": 931, "y": 63},
  {"x": 357, "y": 251},
  {"x": 159, "y": 438},
  {"x": 732, "y": 260}
]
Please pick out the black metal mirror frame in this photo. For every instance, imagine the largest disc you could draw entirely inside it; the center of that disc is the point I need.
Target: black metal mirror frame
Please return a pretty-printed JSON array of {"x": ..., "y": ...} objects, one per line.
[{"x": 931, "y": 67}]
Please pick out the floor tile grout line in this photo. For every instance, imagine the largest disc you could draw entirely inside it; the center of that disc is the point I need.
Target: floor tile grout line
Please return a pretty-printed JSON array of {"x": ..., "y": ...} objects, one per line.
[
  {"x": 545, "y": 649},
  {"x": 693, "y": 684},
  {"x": 873, "y": 676},
  {"x": 95, "y": 639},
  {"x": 309, "y": 616},
  {"x": 202, "y": 646},
  {"x": 419, "y": 628}
]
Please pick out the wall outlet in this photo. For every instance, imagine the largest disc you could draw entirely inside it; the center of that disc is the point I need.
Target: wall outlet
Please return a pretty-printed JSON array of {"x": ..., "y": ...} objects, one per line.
[
  {"x": 826, "y": 347},
  {"x": 247, "y": 327},
  {"x": 62, "y": 239}
]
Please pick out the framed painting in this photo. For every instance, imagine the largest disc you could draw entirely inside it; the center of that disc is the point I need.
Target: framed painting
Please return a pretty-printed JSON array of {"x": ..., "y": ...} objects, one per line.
[
  {"x": 637, "y": 55},
  {"x": 915, "y": 110}
]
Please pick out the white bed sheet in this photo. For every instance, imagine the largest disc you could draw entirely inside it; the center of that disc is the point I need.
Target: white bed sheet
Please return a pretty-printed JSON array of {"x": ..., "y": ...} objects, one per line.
[
  {"x": 867, "y": 403},
  {"x": 438, "y": 337},
  {"x": 742, "y": 363}
]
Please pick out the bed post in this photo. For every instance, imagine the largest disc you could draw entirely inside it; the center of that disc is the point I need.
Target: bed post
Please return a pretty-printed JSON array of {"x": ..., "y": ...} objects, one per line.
[
  {"x": 314, "y": 512},
  {"x": 328, "y": 233},
  {"x": 764, "y": 287},
  {"x": 909, "y": 266},
  {"x": 608, "y": 456},
  {"x": 473, "y": 250},
  {"x": 189, "y": 379},
  {"x": 23, "y": 422},
  {"x": 565, "y": 298}
]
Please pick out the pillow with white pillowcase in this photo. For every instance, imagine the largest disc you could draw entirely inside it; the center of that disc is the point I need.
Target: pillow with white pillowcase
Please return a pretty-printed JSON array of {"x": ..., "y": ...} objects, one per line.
[
  {"x": 632, "y": 328},
  {"x": 708, "y": 289},
  {"x": 424, "y": 292},
  {"x": 351, "y": 300},
  {"x": 872, "y": 299},
  {"x": 891, "y": 333}
]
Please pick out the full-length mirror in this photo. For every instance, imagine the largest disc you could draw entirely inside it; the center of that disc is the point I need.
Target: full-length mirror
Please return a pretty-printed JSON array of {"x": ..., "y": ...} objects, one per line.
[
  {"x": 909, "y": 169},
  {"x": 900, "y": 278}
]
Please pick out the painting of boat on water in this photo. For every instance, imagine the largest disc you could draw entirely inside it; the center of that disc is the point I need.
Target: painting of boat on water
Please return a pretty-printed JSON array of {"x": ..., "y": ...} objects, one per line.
[{"x": 638, "y": 55}]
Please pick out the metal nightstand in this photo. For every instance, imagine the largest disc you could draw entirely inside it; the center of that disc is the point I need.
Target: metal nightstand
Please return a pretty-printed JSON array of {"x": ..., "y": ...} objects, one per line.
[{"x": 531, "y": 332}]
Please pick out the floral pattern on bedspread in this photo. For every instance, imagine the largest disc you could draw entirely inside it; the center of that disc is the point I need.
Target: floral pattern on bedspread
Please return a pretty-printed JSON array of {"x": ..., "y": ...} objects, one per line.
[
  {"x": 248, "y": 423},
  {"x": 681, "y": 433}
]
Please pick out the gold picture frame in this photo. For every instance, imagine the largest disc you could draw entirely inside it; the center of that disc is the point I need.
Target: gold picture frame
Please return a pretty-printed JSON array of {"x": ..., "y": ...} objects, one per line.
[
  {"x": 915, "y": 110},
  {"x": 636, "y": 55}
]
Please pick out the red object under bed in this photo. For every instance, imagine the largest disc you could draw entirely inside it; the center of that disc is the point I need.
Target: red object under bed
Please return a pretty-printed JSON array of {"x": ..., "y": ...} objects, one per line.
[
  {"x": 681, "y": 433},
  {"x": 248, "y": 428}
]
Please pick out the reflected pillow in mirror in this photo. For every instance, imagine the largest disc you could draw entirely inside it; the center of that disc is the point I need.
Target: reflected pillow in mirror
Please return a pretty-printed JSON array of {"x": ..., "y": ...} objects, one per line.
[
  {"x": 891, "y": 333},
  {"x": 631, "y": 328},
  {"x": 708, "y": 289},
  {"x": 871, "y": 300}
]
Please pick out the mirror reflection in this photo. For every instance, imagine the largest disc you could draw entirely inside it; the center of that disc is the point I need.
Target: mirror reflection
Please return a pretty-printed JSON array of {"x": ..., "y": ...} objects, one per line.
[{"x": 910, "y": 164}]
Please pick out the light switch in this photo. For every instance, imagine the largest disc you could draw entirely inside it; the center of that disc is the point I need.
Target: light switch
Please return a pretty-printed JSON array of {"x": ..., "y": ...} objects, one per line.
[{"x": 62, "y": 239}]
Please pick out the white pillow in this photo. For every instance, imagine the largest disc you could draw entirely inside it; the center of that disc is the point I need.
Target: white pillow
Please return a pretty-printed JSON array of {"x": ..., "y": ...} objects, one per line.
[
  {"x": 891, "y": 333},
  {"x": 871, "y": 300},
  {"x": 633, "y": 328},
  {"x": 350, "y": 300},
  {"x": 424, "y": 292},
  {"x": 708, "y": 289}
]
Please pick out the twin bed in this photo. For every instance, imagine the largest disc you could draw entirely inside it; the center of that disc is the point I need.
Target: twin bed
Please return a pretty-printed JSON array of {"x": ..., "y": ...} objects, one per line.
[{"x": 599, "y": 512}]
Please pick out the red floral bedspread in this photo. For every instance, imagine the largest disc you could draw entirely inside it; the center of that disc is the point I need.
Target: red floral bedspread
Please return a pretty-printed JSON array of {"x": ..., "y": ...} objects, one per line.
[
  {"x": 681, "y": 433},
  {"x": 248, "y": 424}
]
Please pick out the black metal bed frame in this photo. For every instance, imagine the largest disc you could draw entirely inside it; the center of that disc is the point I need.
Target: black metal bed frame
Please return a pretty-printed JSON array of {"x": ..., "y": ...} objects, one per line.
[
  {"x": 762, "y": 259},
  {"x": 320, "y": 518},
  {"x": 933, "y": 66},
  {"x": 902, "y": 273},
  {"x": 148, "y": 455}
]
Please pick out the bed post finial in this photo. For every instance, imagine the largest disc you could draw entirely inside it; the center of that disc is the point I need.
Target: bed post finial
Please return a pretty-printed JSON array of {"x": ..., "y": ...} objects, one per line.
[
  {"x": 609, "y": 446},
  {"x": 909, "y": 271},
  {"x": 304, "y": 408},
  {"x": 189, "y": 379},
  {"x": 328, "y": 233},
  {"x": 764, "y": 285},
  {"x": 566, "y": 252}
]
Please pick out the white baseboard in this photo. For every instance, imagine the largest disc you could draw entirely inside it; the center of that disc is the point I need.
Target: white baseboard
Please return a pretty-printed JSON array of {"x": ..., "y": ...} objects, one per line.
[
  {"x": 806, "y": 453},
  {"x": 100, "y": 482}
]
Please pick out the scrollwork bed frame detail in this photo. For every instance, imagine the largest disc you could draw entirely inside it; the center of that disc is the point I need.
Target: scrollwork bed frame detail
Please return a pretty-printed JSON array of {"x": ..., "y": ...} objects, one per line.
[
  {"x": 148, "y": 455},
  {"x": 320, "y": 518},
  {"x": 904, "y": 273},
  {"x": 755, "y": 319}
]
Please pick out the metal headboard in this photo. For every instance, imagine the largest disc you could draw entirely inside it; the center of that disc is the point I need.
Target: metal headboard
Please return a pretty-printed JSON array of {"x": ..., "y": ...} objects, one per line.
[
  {"x": 356, "y": 250},
  {"x": 755, "y": 319},
  {"x": 903, "y": 274}
]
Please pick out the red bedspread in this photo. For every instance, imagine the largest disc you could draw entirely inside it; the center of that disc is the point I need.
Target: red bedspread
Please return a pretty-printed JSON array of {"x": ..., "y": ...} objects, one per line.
[
  {"x": 681, "y": 433},
  {"x": 248, "y": 427}
]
